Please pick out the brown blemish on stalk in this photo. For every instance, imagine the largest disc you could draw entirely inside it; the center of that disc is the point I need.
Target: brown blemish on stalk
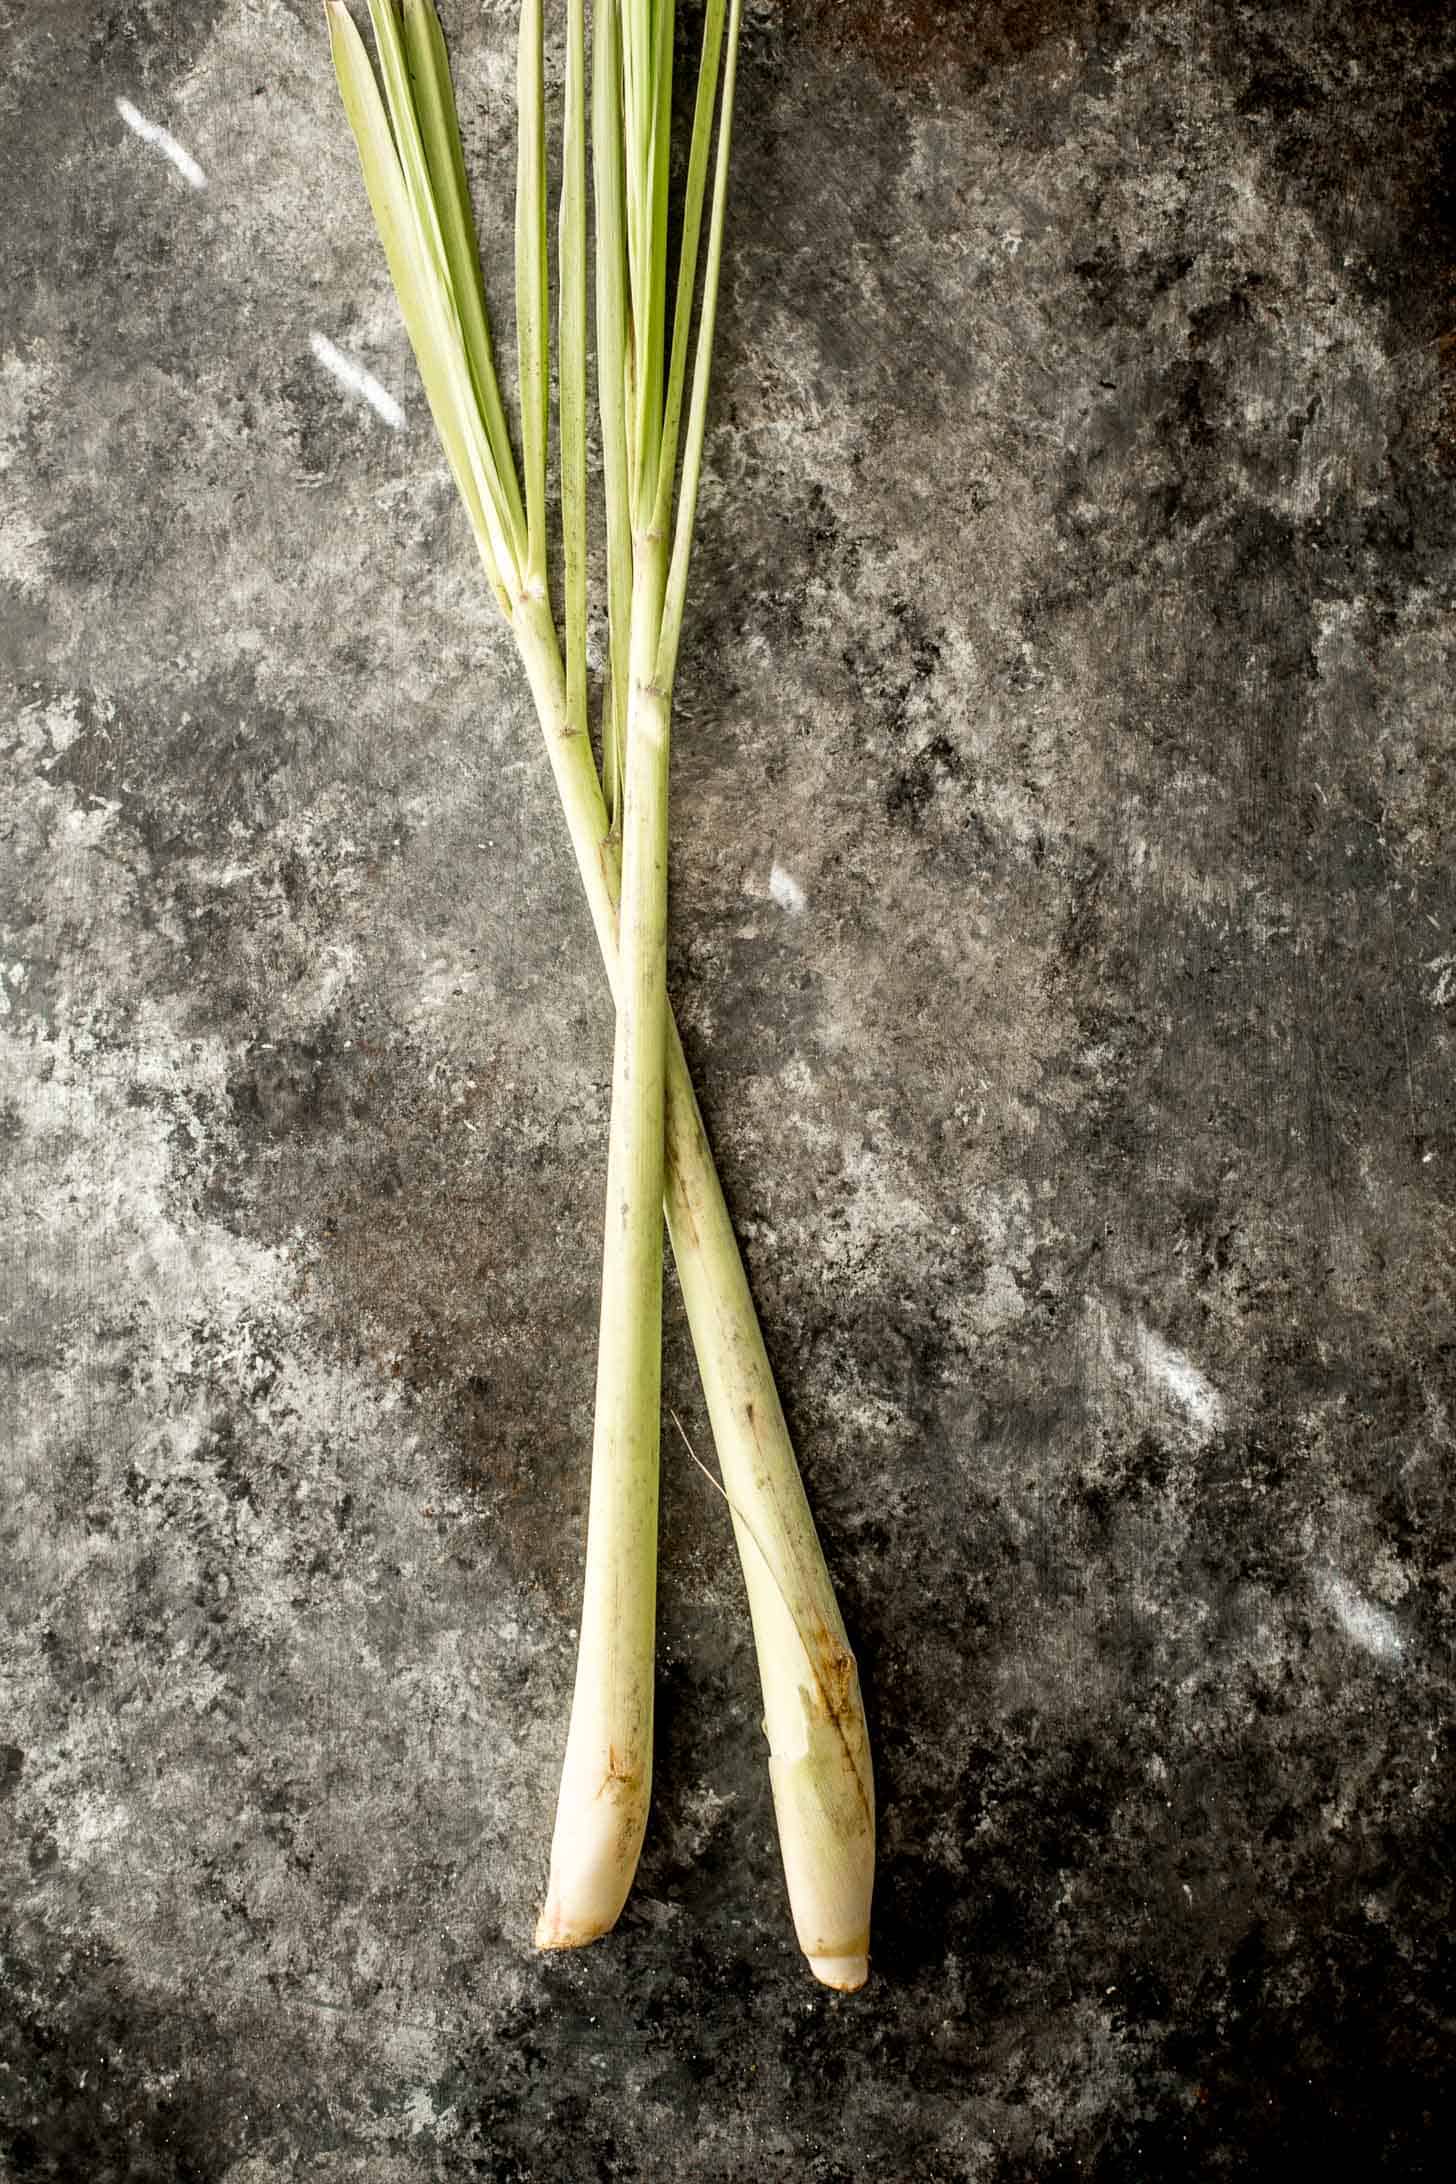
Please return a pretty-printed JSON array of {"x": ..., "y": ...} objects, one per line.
[
  {"x": 623, "y": 1789},
  {"x": 606, "y": 859},
  {"x": 836, "y": 1678},
  {"x": 619, "y": 1779},
  {"x": 834, "y": 1668},
  {"x": 687, "y": 1219}
]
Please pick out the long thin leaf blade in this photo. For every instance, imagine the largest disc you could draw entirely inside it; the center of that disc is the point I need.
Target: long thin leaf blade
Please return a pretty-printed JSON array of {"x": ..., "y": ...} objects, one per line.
[
  {"x": 649, "y": 403},
  {"x": 687, "y": 505},
  {"x": 434, "y": 103},
  {"x": 687, "y": 274},
  {"x": 613, "y": 372},
  {"x": 531, "y": 321},
  {"x": 404, "y": 121},
  {"x": 636, "y": 36},
  {"x": 384, "y": 182},
  {"x": 572, "y": 365},
  {"x": 638, "y": 109},
  {"x": 435, "y": 267}
]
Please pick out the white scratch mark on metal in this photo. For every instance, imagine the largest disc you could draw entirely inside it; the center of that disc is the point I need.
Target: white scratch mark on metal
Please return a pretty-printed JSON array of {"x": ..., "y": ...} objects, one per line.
[
  {"x": 787, "y": 892},
  {"x": 1443, "y": 993},
  {"x": 357, "y": 380},
  {"x": 1180, "y": 1378},
  {"x": 152, "y": 132},
  {"x": 1363, "y": 1623}
]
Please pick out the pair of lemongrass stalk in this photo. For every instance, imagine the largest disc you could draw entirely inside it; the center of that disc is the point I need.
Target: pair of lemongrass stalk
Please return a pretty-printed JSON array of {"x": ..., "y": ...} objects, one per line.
[{"x": 658, "y": 1156}]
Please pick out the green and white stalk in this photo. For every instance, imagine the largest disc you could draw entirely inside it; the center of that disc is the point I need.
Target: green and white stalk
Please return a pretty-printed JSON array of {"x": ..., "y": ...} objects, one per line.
[
  {"x": 602, "y": 1811},
  {"x": 410, "y": 151},
  {"x": 606, "y": 1777}
]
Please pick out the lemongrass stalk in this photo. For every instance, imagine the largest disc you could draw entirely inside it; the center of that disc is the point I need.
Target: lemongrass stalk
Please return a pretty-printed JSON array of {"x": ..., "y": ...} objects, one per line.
[
  {"x": 819, "y": 1756},
  {"x": 606, "y": 1777},
  {"x": 601, "y": 1813},
  {"x": 819, "y": 1753},
  {"x": 819, "y": 1761}
]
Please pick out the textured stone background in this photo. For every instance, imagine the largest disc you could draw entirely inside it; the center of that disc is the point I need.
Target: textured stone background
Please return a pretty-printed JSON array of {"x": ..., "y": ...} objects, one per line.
[{"x": 1072, "y": 628}]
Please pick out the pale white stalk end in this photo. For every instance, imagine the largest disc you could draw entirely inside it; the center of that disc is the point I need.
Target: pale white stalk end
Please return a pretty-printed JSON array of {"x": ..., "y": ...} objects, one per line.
[
  {"x": 847, "y": 1973},
  {"x": 823, "y": 1792},
  {"x": 600, "y": 1822}
]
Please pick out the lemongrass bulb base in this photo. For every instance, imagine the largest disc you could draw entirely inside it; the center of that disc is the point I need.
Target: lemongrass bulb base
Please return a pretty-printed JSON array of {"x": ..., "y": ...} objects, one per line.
[
  {"x": 824, "y": 1809},
  {"x": 600, "y": 1823}
]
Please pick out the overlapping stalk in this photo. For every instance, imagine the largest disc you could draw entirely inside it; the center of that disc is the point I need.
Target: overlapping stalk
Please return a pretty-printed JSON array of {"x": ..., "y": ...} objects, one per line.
[
  {"x": 602, "y": 1811},
  {"x": 410, "y": 150}
]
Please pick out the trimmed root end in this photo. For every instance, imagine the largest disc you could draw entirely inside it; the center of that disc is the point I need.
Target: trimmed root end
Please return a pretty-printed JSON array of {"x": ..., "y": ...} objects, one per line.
[
  {"x": 594, "y": 1852},
  {"x": 847, "y": 1973},
  {"x": 555, "y": 1931}
]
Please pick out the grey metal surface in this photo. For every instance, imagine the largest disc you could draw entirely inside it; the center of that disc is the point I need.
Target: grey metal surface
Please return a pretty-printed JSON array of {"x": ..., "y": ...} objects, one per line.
[{"x": 1063, "y": 924}]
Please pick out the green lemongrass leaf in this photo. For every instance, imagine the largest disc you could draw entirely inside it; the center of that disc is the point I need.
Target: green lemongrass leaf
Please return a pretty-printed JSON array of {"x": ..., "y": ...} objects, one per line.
[
  {"x": 687, "y": 272},
  {"x": 647, "y": 97},
  {"x": 638, "y": 107},
  {"x": 649, "y": 401},
  {"x": 532, "y": 340},
  {"x": 393, "y": 68},
  {"x": 613, "y": 373},
  {"x": 601, "y": 1813},
  {"x": 405, "y": 123},
  {"x": 687, "y": 505},
  {"x": 572, "y": 398},
  {"x": 414, "y": 279},
  {"x": 636, "y": 103},
  {"x": 435, "y": 268},
  {"x": 439, "y": 124}
]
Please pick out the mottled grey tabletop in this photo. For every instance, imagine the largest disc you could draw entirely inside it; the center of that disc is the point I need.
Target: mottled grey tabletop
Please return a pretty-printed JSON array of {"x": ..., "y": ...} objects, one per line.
[{"x": 1063, "y": 939}]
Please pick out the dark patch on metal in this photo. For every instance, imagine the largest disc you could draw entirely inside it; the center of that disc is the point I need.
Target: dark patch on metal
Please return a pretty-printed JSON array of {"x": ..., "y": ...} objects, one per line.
[{"x": 912, "y": 40}]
